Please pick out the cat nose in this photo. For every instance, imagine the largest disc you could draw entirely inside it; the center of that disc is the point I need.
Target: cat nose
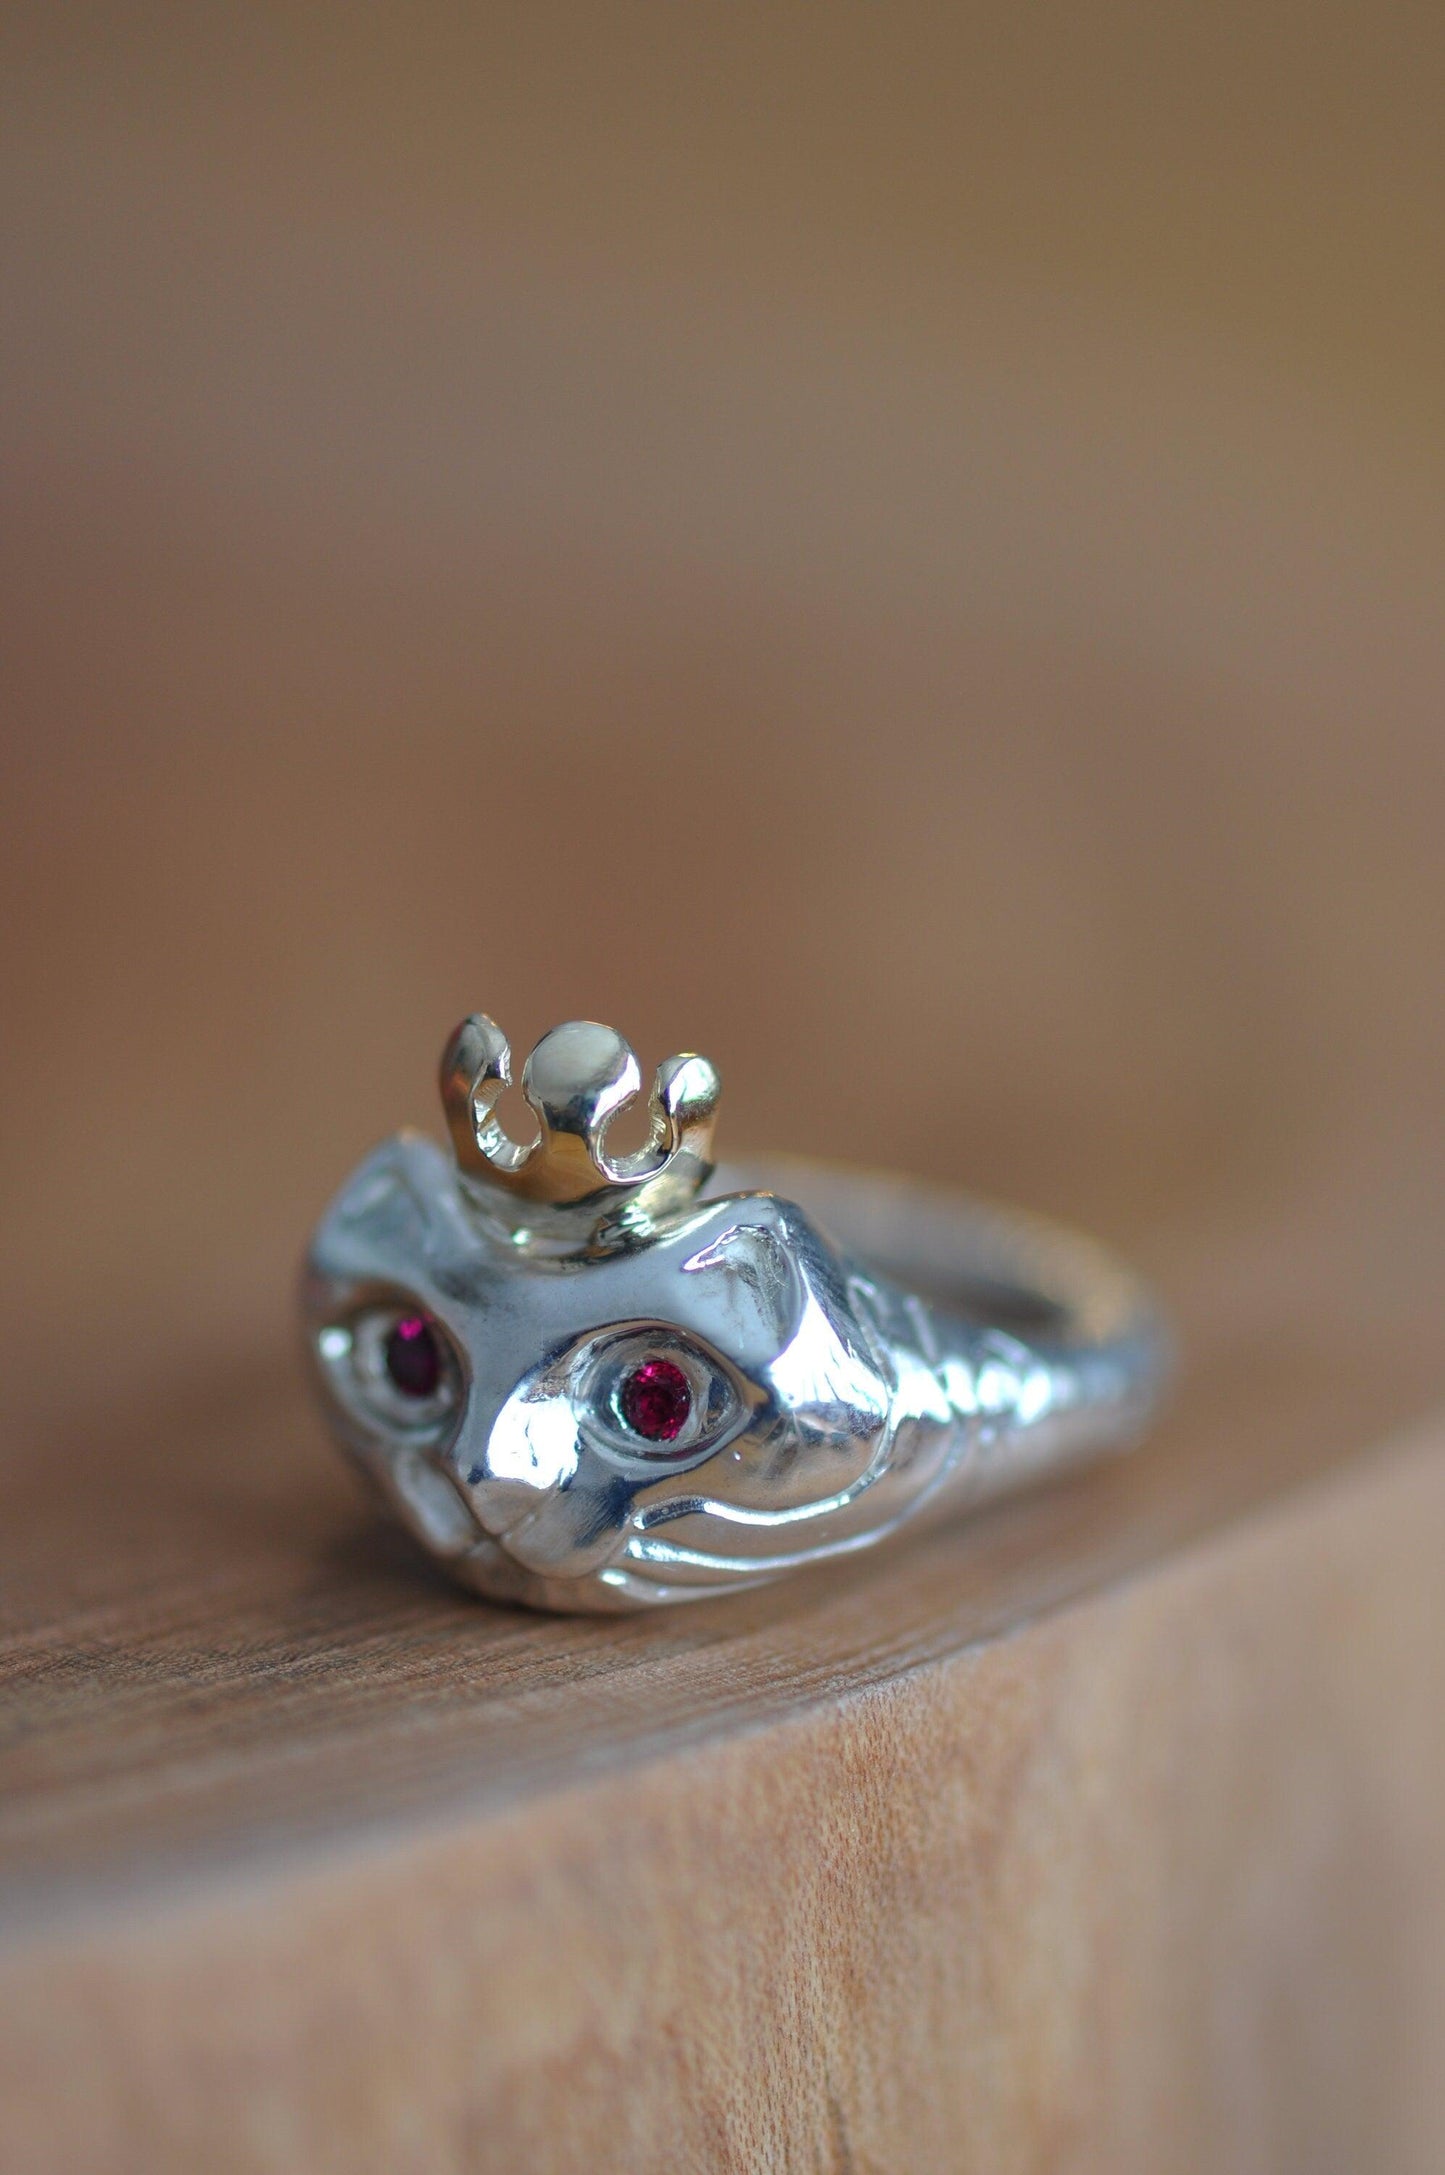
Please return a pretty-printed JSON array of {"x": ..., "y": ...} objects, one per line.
[{"x": 513, "y": 1454}]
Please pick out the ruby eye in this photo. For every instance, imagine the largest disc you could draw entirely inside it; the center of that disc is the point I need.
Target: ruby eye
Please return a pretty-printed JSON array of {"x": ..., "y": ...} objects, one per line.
[
  {"x": 649, "y": 1395},
  {"x": 412, "y": 1356},
  {"x": 393, "y": 1366},
  {"x": 655, "y": 1400}
]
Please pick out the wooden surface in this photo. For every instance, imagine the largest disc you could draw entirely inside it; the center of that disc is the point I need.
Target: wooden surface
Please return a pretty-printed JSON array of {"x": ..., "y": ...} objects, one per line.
[
  {"x": 1154, "y": 1881},
  {"x": 472, "y": 541}
]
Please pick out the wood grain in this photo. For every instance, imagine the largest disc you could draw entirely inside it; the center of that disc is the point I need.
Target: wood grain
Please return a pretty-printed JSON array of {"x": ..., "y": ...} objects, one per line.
[{"x": 1153, "y": 1880}]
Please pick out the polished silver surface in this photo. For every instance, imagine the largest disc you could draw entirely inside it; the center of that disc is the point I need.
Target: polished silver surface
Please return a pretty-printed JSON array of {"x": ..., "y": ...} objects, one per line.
[{"x": 594, "y": 1382}]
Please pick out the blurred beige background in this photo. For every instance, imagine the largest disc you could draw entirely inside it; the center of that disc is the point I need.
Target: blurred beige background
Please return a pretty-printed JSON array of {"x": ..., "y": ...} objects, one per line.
[{"x": 902, "y": 546}]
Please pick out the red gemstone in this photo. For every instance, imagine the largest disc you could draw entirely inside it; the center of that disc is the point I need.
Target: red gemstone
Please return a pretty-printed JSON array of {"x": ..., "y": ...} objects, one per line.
[
  {"x": 414, "y": 1356},
  {"x": 656, "y": 1399}
]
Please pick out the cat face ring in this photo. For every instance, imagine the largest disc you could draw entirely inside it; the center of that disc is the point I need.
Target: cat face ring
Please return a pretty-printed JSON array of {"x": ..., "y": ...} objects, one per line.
[{"x": 596, "y": 1382}]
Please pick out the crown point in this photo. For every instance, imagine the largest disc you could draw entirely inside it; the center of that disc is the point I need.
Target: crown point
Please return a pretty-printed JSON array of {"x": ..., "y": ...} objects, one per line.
[
  {"x": 578, "y": 1076},
  {"x": 476, "y": 1065},
  {"x": 688, "y": 1088}
]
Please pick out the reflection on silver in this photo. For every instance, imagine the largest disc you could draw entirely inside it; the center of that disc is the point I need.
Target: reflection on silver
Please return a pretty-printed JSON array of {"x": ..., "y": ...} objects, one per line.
[{"x": 845, "y": 1351}]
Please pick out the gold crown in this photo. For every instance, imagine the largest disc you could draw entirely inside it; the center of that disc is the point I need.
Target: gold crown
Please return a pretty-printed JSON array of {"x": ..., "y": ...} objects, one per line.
[{"x": 577, "y": 1080}]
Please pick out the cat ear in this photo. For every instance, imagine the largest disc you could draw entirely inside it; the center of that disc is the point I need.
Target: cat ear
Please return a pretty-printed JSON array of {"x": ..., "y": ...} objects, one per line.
[
  {"x": 399, "y": 1209},
  {"x": 749, "y": 1284}
]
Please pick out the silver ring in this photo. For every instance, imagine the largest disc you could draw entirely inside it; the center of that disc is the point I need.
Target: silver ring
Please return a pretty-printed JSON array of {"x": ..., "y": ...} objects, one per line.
[{"x": 595, "y": 1382}]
